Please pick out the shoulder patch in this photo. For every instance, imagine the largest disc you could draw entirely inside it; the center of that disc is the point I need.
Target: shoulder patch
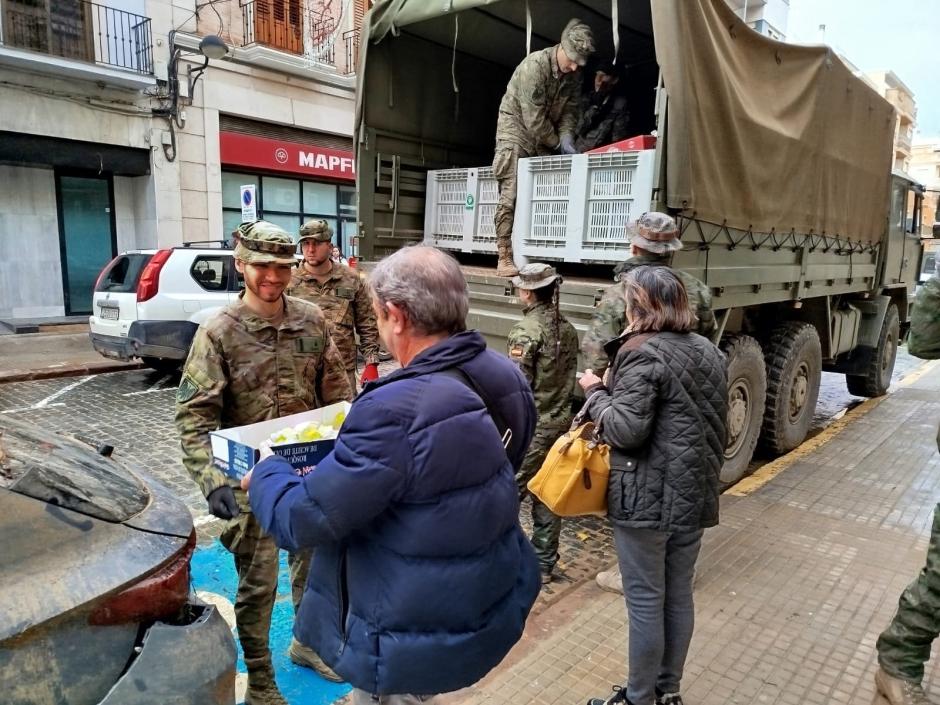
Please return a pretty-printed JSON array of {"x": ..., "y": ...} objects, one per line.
[
  {"x": 187, "y": 389},
  {"x": 345, "y": 292}
]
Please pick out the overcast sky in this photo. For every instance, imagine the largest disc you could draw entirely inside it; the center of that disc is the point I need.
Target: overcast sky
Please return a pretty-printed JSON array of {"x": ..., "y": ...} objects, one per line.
[{"x": 896, "y": 35}]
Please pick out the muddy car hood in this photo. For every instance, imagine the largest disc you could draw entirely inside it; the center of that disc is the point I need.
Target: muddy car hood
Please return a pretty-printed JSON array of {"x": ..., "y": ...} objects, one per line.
[{"x": 55, "y": 560}]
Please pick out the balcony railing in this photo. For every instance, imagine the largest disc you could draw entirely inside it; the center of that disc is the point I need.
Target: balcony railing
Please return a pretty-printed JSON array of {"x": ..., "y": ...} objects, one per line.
[
  {"x": 289, "y": 26},
  {"x": 351, "y": 40},
  {"x": 80, "y": 30}
]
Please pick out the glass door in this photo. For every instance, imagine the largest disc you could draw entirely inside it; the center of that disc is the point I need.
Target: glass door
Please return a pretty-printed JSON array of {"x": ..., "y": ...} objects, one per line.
[{"x": 86, "y": 236}]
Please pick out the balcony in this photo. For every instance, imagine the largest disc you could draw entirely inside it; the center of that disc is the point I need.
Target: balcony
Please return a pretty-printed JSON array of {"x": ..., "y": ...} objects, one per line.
[
  {"x": 291, "y": 26},
  {"x": 78, "y": 39}
]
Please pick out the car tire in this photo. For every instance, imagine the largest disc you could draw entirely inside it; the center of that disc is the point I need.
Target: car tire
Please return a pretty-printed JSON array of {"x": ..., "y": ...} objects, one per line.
[{"x": 162, "y": 364}]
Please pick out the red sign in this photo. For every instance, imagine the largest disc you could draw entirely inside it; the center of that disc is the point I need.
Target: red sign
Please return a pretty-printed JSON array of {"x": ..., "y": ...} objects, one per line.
[{"x": 279, "y": 155}]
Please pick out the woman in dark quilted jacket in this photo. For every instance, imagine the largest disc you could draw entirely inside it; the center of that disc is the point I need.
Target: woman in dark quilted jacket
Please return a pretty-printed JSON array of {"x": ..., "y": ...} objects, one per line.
[{"x": 661, "y": 408}]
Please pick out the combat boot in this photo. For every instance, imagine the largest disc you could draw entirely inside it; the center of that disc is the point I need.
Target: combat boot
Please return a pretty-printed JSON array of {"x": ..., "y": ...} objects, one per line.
[
  {"x": 895, "y": 691},
  {"x": 262, "y": 688},
  {"x": 505, "y": 267},
  {"x": 308, "y": 658}
]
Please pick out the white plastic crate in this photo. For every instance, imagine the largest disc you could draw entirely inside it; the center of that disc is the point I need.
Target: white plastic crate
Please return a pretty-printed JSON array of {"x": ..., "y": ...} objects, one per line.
[
  {"x": 575, "y": 208},
  {"x": 569, "y": 208},
  {"x": 459, "y": 209}
]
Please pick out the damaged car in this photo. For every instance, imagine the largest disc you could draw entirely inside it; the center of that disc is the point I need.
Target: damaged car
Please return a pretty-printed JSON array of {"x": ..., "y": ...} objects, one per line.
[{"x": 95, "y": 580}]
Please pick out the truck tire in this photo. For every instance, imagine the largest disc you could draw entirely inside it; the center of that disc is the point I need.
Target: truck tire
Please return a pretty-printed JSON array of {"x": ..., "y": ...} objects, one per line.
[
  {"x": 877, "y": 378},
  {"x": 793, "y": 358},
  {"x": 747, "y": 390}
]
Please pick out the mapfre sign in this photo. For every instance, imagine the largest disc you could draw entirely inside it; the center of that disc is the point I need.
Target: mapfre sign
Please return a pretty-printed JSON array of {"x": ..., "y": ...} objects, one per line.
[{"x": 278, "y": 155}]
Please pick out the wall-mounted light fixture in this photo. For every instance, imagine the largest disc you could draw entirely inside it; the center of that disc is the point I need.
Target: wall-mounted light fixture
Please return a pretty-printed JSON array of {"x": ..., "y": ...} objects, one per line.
[{"x": 210, "y": 47}]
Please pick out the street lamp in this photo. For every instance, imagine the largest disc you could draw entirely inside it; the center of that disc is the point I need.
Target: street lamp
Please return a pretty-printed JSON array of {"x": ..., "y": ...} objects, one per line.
[{"x": 211, "y": 47}]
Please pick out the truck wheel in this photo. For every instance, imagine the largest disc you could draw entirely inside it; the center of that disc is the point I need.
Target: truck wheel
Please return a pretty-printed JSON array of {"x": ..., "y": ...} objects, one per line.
[
  {"x": 747, "y": 389},
  {"x": 877, "y": 378},
  {"x": 793, "y": 358}
]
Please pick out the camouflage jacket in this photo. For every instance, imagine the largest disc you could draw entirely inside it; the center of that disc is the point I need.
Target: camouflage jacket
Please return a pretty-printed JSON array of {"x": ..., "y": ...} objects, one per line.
[
  {"x": 602, "y": 121},
  {"x": 610, "y": 316},
  {"x": 345, "y": 300},
  {"x": 924, "y": 340},
  {"x": 241, "y": 370},
  {"x": 539, "y": 106},
  {"x": 552, "y": 376}
]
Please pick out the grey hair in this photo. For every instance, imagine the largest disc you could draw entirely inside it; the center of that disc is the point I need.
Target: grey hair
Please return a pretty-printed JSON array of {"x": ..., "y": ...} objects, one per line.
[{"x": 426, "y": 283}]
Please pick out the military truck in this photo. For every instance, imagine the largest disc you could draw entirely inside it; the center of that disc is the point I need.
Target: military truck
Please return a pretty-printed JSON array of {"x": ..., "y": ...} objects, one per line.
[{"x": 775, "y": 159}]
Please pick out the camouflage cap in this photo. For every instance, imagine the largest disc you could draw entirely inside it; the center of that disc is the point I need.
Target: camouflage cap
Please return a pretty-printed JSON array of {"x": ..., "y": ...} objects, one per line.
[
  {"x": 535, "y": 276},
  {"x": 655, "y": 232},
  {"x": 577, "y": 40},
  {"x": 261, "y": 242},
  {"x": 318, "y": 230}
]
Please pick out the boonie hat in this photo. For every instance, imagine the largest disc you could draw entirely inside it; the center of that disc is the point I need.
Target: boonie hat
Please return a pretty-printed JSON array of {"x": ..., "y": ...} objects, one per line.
[
  {"x": 535, "y": 276},
  {"x": 318, "y": 230},
  {"x": 577, "y": 40},
  {"x": 261, "y": 242},
  {"x": 655, "y": 232}
]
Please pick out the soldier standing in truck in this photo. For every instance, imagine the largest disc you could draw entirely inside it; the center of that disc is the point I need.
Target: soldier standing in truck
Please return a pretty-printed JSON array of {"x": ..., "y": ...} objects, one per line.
[{"x": 538, "y": 115}]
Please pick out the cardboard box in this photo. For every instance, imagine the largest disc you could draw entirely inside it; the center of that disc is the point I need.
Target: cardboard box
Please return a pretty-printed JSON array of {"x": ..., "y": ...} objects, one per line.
[
  {"x": 235, "y": 450},
  {"x": 632, "y": 144}
]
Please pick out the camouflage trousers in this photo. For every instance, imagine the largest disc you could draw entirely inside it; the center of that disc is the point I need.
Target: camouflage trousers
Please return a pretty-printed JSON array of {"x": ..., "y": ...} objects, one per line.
[
  {"x": 256, "y": 561},
  {"x": 904, "y": 647},
  {"x": 546, "y": 526},
  {"x": 505, "y": 163}
]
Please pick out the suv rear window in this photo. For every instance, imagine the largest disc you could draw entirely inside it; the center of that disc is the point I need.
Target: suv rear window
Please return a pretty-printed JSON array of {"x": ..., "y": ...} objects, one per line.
[
  {"x": 211, "y": 272},
  {"x": 122, "y": 273}
]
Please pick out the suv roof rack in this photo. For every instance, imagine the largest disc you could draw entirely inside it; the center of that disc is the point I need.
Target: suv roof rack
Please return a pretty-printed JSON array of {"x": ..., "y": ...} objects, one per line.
[{"x": 221, "y": 243}]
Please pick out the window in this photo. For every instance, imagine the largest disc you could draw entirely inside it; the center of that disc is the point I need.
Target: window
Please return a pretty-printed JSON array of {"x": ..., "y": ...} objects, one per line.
[
  {"x": 290, "y": 202},
  {"x": 211, "y": 272}
]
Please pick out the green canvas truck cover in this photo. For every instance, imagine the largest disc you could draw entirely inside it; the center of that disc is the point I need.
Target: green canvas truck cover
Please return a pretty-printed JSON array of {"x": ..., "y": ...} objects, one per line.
[{"x": 760, "y": 135}]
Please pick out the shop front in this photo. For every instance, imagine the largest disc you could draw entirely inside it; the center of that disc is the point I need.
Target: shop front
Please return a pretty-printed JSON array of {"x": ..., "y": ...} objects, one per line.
[{"x": 293, "y": 181}]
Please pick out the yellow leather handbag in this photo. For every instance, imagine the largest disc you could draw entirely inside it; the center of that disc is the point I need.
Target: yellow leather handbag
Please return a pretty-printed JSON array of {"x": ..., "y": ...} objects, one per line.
[{"x": 573, "y": 479}]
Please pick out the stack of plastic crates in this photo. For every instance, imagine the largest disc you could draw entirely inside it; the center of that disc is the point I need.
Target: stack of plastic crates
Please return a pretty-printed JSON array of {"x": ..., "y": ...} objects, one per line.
[
  {"x": 575, "y": 208},
  {"x": 459, "y": 209}
]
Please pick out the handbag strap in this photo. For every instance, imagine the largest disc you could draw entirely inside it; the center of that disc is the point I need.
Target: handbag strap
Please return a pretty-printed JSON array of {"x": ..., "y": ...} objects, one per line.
[{"x": 504, "y": 429}]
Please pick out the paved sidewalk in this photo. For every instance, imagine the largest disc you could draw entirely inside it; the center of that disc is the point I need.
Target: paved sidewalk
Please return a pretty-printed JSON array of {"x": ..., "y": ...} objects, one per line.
[
  {"x": 62, "y": 351},
  {"x": 793, "y": 587}
]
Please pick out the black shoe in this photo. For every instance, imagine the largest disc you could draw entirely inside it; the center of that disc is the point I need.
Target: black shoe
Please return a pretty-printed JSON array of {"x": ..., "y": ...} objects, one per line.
[
  {"x": 668, "y": 698},
  {"x": 619, "y": 696}
]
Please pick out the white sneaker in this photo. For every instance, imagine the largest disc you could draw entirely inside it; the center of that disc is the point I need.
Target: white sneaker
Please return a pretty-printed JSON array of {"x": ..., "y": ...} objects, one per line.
[{"x": 610, "y": 581}]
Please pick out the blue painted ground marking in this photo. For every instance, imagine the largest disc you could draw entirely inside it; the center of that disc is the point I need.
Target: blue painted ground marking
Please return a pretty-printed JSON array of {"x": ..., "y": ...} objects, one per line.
[{"x": 214, "y": 570}]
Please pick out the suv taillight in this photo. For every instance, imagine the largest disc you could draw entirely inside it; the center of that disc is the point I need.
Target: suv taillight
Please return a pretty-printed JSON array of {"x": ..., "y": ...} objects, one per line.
[
  {"x": 150, "y": 277},
  {"x": 160, "y": 594}
]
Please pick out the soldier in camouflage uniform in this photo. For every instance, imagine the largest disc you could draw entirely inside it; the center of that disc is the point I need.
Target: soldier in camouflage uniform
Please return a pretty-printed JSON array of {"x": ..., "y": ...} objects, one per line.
[
  {"x": 604, "y": 115},
  {"x": 652, "y": 239},
  {"x": 342, "y": 295},
  {"x": 904, "y": 647},
  {"x": 538, "y": 115},
  {"x": 263, "y": 357},
  {"x": 545, "y": 346}
]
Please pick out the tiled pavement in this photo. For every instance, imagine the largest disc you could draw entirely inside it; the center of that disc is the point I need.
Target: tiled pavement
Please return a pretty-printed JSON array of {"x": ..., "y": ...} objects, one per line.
[{"x": 792, "y": 589}]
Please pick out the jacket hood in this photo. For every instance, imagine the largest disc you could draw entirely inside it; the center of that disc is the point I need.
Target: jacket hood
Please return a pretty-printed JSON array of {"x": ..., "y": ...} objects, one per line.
[{"x": 450, "y": 352}]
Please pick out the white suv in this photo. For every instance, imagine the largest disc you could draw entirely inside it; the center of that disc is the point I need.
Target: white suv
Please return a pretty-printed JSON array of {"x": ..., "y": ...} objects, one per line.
[{"x": 148, "y": 303}]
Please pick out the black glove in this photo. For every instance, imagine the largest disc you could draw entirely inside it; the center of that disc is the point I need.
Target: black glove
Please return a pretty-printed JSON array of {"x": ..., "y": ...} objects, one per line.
[
  {"x": 567, "y": 145},
  {"x": 222, "y": 503}
]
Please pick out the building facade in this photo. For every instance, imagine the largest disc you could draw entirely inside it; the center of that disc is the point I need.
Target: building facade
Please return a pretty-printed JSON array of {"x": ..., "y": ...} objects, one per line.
[
  {"x": 925, "y": 168},
  {"x": 769, "y": 17},
  {"x": 116, "y": 133},
  {"x": 902, "y": 98}
]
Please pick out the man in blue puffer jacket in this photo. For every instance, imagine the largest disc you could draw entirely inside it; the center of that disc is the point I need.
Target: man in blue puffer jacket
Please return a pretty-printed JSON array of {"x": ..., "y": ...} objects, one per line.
[{"x": 422, "y": 578}]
